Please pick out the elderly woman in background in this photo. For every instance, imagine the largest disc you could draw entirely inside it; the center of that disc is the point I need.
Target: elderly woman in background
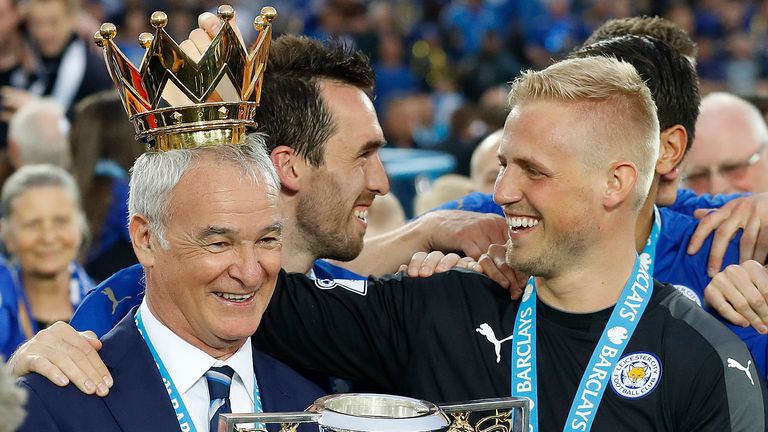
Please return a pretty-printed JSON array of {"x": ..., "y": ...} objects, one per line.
[{"x": 43, "y": 228}]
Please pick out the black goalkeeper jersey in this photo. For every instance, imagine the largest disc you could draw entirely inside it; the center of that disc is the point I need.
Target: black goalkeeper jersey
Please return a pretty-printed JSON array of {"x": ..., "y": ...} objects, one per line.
[{"x": 447, "y": 338}]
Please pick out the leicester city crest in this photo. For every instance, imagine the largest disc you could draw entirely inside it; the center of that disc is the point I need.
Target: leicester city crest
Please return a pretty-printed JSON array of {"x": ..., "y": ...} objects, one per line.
[
  {"x": 688, "y": 293},
  {"x": 635, "y": 375}
]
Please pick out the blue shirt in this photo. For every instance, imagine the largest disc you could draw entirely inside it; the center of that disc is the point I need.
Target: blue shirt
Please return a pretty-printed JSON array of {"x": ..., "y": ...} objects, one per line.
[
  {"x": 112, "y": 299},
  {"x": 15, "y": 326},
  {"x": 688, "y": 273},
  {"x": 11, "y": 335},
  {"x": 687, "y": 201}
]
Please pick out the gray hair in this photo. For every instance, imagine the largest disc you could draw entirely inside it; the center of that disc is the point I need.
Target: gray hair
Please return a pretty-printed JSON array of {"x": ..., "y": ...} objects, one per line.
[
  {"x": 39, "y": 130},
  {"x": 12, "y": 400},
  {"x": 155, "y": 174},
  {"x": 37, "y": 176}
]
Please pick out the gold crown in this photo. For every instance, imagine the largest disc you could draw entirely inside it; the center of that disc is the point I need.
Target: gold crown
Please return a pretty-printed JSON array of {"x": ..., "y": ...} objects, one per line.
[{"x": 176, "y": 102}]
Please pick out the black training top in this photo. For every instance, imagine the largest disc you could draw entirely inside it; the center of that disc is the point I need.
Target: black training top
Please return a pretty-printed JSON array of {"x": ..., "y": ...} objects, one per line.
[{"x": 430, "y": 338}]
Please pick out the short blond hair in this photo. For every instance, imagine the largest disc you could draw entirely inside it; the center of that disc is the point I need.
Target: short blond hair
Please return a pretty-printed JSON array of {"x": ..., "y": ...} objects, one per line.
[{"x": 615, "y": 104}]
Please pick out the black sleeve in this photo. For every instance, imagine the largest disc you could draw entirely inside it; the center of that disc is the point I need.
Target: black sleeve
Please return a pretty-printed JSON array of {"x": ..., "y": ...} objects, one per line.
[
  {"x": 717, "y": 386},
  {"x": 352, "y": 329},
  {"x": 722, "y": 399}
]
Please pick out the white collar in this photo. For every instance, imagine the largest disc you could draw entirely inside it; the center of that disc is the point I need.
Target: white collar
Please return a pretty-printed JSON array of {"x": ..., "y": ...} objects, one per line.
[{"x": 186, "y": 363}]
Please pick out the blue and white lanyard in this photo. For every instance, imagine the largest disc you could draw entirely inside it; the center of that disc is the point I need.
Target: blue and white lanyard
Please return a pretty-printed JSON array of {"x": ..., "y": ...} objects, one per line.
[
  {"x": 616, "y": 335},
  {"x": 182, "y": 415},
  {"x": 79, "y": 285}
]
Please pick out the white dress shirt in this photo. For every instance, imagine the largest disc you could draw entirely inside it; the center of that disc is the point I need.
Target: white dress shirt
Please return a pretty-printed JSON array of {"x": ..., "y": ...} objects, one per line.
[{"x": 187, "y": 366}]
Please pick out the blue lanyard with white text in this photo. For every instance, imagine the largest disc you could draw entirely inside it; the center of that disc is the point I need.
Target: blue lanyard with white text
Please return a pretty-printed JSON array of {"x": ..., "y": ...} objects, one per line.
[
  {"x": 182, "y": 415},
  {"x": 616, "y": 335},
  {"x": 79, "y": 285}
]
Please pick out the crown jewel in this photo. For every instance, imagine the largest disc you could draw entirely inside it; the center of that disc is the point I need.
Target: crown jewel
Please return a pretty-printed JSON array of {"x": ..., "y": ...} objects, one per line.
[{"x": 177, "y": 102}]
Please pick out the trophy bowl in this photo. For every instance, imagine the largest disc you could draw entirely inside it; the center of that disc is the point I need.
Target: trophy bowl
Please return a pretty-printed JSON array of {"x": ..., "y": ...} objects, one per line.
[{"x": 370, "y": 412}]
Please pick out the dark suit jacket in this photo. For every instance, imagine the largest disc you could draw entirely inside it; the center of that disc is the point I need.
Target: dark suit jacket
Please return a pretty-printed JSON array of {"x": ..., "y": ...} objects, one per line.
[{"x": 138, "y": 400}]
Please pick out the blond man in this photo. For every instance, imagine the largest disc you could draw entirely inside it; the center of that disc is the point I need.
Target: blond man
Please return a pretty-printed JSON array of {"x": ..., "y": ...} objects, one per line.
[
  {"x": 594, "y": 341},
  {"x": 593, "y": 330}
]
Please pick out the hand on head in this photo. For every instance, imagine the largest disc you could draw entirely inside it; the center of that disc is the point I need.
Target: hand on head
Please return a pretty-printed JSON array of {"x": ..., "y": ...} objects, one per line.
[{"x": 200, "y": 38}]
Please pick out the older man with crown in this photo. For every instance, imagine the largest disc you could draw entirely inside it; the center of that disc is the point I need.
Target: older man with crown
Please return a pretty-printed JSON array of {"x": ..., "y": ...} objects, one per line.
[{"x": 206, "y": 228}]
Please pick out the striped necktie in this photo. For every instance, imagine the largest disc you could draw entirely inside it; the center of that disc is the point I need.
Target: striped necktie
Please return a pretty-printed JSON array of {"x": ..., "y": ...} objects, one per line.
[{"x": 219, "y": 380}]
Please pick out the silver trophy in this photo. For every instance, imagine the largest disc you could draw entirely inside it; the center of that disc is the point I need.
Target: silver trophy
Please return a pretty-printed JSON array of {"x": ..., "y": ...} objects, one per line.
[{"x": 366, "y": 412}]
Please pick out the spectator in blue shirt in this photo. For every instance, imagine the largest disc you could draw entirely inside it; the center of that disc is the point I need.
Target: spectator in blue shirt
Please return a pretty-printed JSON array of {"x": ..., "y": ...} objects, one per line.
[{"x": 43, "y": 228}]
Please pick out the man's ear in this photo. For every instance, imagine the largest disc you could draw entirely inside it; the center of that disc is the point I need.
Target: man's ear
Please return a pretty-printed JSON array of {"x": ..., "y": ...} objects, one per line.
[
  {"x": 142, "y": 240},
  {"x": 622, "y": 176},
  {"x": 290, "y": 167},
  {"x": 674, "y": 141}
]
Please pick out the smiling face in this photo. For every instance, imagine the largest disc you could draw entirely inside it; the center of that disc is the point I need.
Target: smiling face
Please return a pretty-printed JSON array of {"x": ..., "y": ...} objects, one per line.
[
  {"x": 332, "y": 210},
  {"x": 546, "y": 190},
  {"x": 213, "y": 282},
  {"x": 43, "y": 231}
]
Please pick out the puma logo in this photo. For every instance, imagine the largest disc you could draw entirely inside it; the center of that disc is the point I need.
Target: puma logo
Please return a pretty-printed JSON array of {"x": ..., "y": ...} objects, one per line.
[
  {"x": 111, "y": 296},
  {"x": 487, "y": 331},
  {"x": 736, "y": 365}
]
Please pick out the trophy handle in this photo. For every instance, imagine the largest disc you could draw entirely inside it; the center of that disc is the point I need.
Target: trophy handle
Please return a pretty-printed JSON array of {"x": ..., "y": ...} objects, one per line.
[
  {"x": 502, "y": 421},
  {"x": 289, "y": 422}
]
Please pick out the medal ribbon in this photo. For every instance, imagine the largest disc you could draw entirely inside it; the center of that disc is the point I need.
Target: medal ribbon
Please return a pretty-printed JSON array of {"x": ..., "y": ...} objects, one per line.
[
  {"x": 182, "y": 415},
  {"x": 616, "y": 335},
  {"x": 79, "y": 285}
]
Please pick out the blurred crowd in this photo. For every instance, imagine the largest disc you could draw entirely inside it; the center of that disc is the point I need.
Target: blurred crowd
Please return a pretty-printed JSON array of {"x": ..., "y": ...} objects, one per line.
[
  {"x": 442, "y": 72},
  {"x": 442, "y": 67}
]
